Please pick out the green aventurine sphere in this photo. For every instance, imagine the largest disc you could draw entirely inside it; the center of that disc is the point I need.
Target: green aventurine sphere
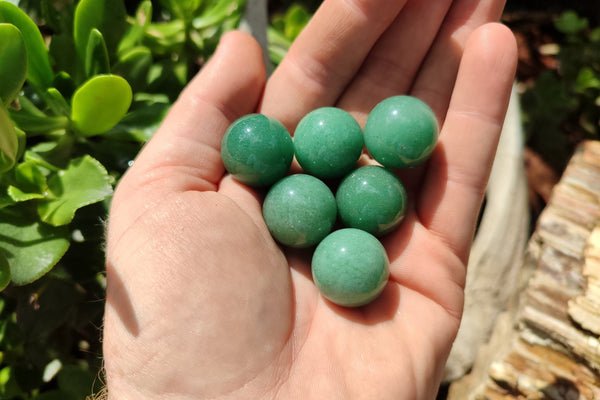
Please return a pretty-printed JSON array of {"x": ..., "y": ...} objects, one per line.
[
  {"x": 257, "y": 150},
  {"x": 350, "y": 267},
  {"x": 328, "y": 141},
  {"x": 299, "y": 210},
  {"x": 371, "y": 198},
  {"x": 401, "y": 132}
]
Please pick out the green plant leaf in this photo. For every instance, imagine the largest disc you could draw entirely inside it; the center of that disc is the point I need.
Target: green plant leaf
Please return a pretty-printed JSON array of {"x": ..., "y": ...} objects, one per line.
[
  {"x": 18, "y": 195},
  {"x": 137, "y": 30},
  {"x": 587, "y": 79},
  {"x": 53, "y": 155},
  {"x": 278, "y": 45},
  {"x": 39, "y": 72},
  {"x": 219, "y": 11},
  {"x": 9, "y": 388},
  {"x": 36, "y": 124},
  {"x": 165, "y": 37},
  {"x": 167, "y": 77},
  {"x": 570, "y": 23},
  {"x": 184, "y": 10},
  {"x": 4, "y": 272},
  {"x": 96, "y": 56},
  {"x": 57, "y": 103},
  {"x": 64, "y": 84},
  {"x": 9, "y": 141},
  {"x": 141, "y": 124},
  {"x": 84, "y": 181},
  {"x": 296, "y": 19},
  {"x": 32, "y": 120},
  {"x": 29, "y": 182},
  {"x": 100, "y": 103},
  {"x": 32, "y": 248},
  {"x": 5, "y": 199},
  {"x": 134, "y": 66},
  {"x": 13, "y": 68},
  {"x": 22, "y": 142},
  {"x": 108, "y": 16}
]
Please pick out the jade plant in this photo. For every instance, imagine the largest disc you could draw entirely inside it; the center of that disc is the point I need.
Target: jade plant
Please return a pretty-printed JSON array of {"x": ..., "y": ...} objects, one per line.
[{"x": 83, "y": 85}]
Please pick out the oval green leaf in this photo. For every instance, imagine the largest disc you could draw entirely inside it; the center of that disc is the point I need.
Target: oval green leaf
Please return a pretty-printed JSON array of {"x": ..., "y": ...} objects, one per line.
[
  {"x": 32, "y": 248},
  {"x": 39, "y": 71},
  {"x": 83, "y": 182},
  {"x": 96, "y": 56},
  {"x": 100, "y": 103},
  {"x": 9, "y": 141},
  {"x": 108, "y": 16},
  {"x": 13, "y": 68}
]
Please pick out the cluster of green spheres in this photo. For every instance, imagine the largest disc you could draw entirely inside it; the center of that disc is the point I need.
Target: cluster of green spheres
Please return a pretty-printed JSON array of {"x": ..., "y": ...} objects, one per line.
[{"x": 350, "y": 266}]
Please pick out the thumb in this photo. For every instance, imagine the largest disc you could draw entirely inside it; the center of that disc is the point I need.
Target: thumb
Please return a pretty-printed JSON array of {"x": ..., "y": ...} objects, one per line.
[{"x": 184, "y": 154}]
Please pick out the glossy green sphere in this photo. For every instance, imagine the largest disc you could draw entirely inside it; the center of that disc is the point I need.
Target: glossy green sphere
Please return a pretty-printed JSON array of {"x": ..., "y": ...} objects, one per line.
[
  {"x": 401, "y": 132},
  {"x": 328, "y": 141},
  {"x": 257, "y": 150},
  {"x": 350, "y": 267},
  {"x": 371, "y": 198},
  {"x": 299, "y": 210}
]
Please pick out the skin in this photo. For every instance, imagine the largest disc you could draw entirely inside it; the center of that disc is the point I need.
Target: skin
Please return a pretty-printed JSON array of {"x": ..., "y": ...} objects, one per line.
[{"x": 202, "y": 304}]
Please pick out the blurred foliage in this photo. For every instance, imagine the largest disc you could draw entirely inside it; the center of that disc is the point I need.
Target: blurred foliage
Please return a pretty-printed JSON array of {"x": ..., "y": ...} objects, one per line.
[
  {"x": 284, "y": 28},
  {"x": 562, "y": 107}
]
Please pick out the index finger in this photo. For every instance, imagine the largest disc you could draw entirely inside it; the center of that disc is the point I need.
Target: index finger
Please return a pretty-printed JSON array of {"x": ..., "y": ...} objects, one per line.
[{"x": 325, "y": 56}]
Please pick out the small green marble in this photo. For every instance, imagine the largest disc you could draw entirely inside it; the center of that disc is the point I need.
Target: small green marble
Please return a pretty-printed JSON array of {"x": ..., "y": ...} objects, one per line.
[
  {"x": 328, "y": 142},
  {"x": 299, "y": 210},
  {"x": 401, "y": 132},
  {"x": 350, "y": 267},
  {"x": 257, "y": 150},
  {"x": 373, "y": 199}
]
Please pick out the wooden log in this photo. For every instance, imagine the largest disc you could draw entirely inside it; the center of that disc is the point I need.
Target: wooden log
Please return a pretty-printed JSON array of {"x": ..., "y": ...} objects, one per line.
[
  {"x": 546, "y": 346},
  {"x": 584, "y": 309}
]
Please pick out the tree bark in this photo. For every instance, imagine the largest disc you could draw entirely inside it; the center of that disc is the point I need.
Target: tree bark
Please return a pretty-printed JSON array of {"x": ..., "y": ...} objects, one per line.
[{"x": 546, "y": 345}]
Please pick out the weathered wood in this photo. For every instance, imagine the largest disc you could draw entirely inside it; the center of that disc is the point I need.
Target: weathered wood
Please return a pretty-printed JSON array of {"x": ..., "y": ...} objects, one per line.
[
  {"x": 546, "y": 346},
  {"x": 584, "y": 309},
  {"x": 497, "y": 249}
]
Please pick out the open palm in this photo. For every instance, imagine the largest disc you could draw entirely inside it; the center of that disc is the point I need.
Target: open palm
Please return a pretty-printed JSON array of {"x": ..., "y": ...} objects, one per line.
[{"x": 202, "y": 303}]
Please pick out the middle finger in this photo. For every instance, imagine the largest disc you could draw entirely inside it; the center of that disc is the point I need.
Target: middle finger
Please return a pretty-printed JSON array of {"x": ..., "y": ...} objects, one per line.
[{"x": 396, "y": 58}]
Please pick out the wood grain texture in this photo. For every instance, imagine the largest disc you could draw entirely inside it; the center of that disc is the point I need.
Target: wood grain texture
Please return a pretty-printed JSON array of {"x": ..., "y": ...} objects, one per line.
[{"x": 546, "y": 345}]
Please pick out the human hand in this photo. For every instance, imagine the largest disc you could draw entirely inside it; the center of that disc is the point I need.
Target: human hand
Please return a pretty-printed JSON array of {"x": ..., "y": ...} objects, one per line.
[{"x": 201, "y": 303}]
